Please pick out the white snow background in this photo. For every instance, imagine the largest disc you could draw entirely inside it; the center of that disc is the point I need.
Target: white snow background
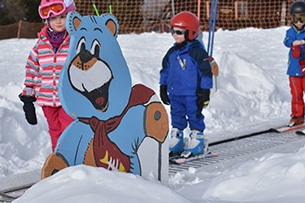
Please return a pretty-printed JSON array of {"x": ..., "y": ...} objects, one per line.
[{"x": 252, "y": 95}]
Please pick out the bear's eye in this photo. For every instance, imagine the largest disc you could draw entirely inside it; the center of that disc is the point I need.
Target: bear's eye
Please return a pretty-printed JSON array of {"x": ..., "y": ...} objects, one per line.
[
  {"x": 95, "y": 49},
  {"x": 81, "y": 45}
]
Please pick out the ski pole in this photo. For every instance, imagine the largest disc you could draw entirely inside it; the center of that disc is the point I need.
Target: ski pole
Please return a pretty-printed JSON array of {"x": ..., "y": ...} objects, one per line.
[
  {"x": 94, "y": 7},
  {"x": 212, "y": 23}
]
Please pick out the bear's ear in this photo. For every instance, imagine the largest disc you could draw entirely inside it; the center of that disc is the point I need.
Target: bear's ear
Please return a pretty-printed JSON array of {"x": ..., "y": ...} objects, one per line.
[
  {"x": 73, "y": 21},
  {"x": 111, "y": 23},
  {"x": 111, "y": 26}
]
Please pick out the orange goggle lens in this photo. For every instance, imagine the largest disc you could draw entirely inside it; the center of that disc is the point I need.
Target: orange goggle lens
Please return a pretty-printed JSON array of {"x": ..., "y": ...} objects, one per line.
[
  {"x": 54, "y": 8},
  {"x": 296, "y": 19}
]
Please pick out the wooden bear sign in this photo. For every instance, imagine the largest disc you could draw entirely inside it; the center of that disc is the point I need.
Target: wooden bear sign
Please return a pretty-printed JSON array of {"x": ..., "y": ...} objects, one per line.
[{"x": 116, "y": 126}]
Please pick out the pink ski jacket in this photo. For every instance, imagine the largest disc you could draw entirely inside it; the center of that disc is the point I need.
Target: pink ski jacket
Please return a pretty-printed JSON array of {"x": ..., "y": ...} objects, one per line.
[{"x": 43, "y": 68}]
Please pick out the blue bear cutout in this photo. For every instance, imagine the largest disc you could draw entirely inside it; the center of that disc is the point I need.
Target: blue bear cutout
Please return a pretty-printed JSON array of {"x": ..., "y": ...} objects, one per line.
[{"x": 117, "y": 126}]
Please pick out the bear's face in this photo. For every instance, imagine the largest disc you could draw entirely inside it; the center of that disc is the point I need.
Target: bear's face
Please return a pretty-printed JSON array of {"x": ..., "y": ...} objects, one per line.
[
  {"x": 86, "y": 65},
  {"x": 97, "y": 70}
]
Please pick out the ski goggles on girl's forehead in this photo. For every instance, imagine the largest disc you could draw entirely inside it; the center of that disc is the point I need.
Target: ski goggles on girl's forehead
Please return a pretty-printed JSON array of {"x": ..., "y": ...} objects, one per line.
[
  {"x": 300, "y": 18},
  {"x": 54, "y": 8}
]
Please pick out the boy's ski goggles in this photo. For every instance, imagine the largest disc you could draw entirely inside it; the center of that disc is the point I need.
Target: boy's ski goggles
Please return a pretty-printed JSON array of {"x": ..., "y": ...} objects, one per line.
[
  {"x": 178, "y": 32},
  {"x": 296, "y": 19},
  {"x": 53, "y": 8}
]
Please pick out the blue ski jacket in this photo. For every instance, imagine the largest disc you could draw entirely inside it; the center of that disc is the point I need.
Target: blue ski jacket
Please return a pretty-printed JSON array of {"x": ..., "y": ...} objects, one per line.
[
  {"x": 185, "y": 69},
  {"x": 293, "y": 34}
]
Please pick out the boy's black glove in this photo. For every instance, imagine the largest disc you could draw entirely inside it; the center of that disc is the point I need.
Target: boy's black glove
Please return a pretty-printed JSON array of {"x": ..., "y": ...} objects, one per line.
[
  {"x": 29, "y": 109},
  {"x": 203, "y": 100},
  {"x": 163, "y": 94}
]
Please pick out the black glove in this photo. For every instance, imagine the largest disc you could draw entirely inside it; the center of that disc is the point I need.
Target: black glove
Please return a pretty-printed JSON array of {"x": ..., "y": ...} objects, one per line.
[
  {"x": 163, "y": 94},
  {"x": 203, "y": 100},
  {"x": 29, "y": 109}
]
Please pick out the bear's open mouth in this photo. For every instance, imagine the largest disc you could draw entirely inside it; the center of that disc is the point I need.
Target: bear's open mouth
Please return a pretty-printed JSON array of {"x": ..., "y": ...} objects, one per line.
[{"x": 99, "y": 97}]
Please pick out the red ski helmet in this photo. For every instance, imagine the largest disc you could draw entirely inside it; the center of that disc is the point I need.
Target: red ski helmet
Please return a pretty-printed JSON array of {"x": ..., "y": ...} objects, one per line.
[{"x": 187, "y": 21}]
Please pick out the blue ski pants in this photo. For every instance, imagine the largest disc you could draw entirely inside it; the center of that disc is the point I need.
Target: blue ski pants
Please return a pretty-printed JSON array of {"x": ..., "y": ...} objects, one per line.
[{"x": 184, "y": 111}]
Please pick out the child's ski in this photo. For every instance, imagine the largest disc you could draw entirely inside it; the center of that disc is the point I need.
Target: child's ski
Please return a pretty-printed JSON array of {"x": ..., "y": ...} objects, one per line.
[
  {"x": 182, "y": 160},
  {"x": 283, "y": 129},
  {"x": 300, "y": 132}
]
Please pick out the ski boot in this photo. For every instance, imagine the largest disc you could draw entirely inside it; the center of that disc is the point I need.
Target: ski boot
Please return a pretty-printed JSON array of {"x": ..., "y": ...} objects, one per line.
[
  {"x": 197, "y": 145},
  {"x": 295, "y": 120},
  {"x": 176, "y": 142}
]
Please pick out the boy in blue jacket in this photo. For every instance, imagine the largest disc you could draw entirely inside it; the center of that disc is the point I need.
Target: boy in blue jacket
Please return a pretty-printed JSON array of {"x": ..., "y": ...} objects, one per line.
[
  {"x": 294, "y": 40},
  {"x": 185, "y": 83}
]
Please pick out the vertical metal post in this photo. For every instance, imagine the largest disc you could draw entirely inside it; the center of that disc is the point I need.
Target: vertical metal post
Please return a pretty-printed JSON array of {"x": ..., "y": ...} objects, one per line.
[
  {"x": 19, "y": 28},
  {"x": 198, "y": 9},
  {"x": 283, "y": 13},
  {"x": 173, "y": 7}
]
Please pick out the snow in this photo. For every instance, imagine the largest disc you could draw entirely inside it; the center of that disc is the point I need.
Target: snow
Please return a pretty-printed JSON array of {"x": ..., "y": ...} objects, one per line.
[{"x": 252, "y": 95}]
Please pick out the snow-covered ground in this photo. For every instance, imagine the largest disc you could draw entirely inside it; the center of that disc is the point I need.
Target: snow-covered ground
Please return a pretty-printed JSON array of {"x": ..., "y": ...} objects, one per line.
[{"x": 252, "y": 94}]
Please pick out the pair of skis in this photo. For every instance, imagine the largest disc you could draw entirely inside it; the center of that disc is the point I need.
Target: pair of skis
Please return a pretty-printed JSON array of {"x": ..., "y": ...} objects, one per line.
[
  {"x": 186, "y": 156},
  {"x": 178, "y": 159}
]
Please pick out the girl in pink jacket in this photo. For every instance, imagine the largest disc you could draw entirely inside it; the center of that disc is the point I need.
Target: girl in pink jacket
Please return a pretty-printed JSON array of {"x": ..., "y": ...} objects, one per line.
[{"x": 44, "y": 65}]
